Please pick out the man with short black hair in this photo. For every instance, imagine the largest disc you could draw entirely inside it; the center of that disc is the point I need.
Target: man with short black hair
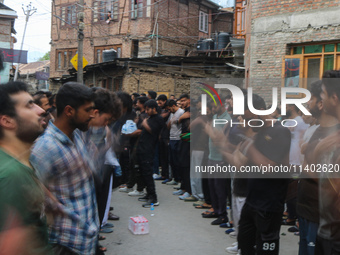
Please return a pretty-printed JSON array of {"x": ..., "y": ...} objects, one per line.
[
  {"x": 184, "y": 148},
  {"x": 42, "y": 101},
  {"x": 65, "y": 167},
  {"x": 175, "y": 132},
  {"x": 327, "y": 153},
  {"x": 261, "y": 216},
  {"x": 307, "y": 199},
  {"x": 152, "y": 127},
  {"x": 164, "y": 140},
  {"x": 152, "y": 94},
  {"x": 134, "y": 96},
  {"x": 22, "y": 214}
]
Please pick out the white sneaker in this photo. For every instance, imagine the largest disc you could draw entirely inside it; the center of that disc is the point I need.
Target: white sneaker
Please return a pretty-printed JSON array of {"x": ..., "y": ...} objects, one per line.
[
  {"x": 155, "y": 176},
  {"x": 235, "y": 244},
  {"x": 185, "y": 195},
  {"x": 232, "y": 249},
  {"x": 125, "y": 189},
  {"x": 233, "y": 235},
  {"x": 136, "y": 193}
]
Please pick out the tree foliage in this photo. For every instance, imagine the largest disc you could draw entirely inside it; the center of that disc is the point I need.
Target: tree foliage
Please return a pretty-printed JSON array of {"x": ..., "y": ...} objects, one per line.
[{"x": 45, "y": 57}]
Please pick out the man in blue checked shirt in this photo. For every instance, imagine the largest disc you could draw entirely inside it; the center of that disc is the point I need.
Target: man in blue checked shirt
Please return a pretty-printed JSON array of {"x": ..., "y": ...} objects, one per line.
[{"x": 64, "y": 166}]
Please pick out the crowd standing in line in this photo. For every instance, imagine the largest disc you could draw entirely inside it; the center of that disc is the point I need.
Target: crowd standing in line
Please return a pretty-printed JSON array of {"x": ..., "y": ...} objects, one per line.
[{"x": 62, "y": 155}]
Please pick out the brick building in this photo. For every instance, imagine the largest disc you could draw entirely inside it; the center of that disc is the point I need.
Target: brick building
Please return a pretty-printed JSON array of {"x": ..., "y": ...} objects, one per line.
[
  {"x": 137, "y": 29},
  {"x": 290, "y": 40},
  {"x": 7, "y": 19}
]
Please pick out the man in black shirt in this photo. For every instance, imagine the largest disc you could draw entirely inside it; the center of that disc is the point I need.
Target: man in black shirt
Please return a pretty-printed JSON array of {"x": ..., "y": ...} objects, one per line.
[
  {"x": 307, "y": 199},
  {"x": 164, "y": 140},
  {"x": 151, "y": 128},
  {"x": 184, "y": 147},
  {"x": 327, "y": 153},
  {"x": 262, "y": 214}
]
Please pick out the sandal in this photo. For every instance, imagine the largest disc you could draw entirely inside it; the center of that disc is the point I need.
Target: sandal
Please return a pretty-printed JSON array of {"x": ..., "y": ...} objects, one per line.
[
  {"x": 203, "y": 206},
  {"x": 101, "y": 238},
  {"x": 209, "y": 211},
  {"x": 102, "y": 248}
]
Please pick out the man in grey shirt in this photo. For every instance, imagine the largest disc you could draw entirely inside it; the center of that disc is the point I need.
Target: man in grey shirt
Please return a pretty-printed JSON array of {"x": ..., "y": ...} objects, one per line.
[{"x": 175, "y": 131}]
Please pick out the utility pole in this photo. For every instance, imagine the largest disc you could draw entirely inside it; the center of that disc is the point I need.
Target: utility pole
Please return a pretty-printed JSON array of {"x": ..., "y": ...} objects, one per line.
[
  {"x": 81, "y": 27},
  {"x": 28, "y": 12}
]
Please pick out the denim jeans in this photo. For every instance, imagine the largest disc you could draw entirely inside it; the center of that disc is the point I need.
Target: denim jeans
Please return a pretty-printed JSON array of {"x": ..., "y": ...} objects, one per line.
[{"x": 308, "y": 231}]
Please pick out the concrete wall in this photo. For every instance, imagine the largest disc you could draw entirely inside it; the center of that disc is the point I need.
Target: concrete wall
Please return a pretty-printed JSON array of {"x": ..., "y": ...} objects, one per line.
[{"x": 274, "y": 25}]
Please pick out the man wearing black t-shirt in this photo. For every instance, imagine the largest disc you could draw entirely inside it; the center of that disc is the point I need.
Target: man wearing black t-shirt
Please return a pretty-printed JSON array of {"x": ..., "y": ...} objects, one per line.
[
  {"x": 151, "y": 128},
  {"x": 327, "y": 153},
  {"x": 184, "y": 147},
  {"x": 262, "y": 213},
  {"x": 307, "y": 199}
]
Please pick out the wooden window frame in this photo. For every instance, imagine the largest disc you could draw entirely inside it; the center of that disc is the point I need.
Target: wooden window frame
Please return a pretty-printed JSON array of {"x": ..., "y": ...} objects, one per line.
[
  {"x": 68, "y": 13},
  {"x": 100, "y": 11},
  {"x": 304, "y": 57},
  {"x": 140, "y": 9},
  {"x": 203, "y": 22},
  {"x": 60, "y": 60},
  {"x": 106, "y": 47}
]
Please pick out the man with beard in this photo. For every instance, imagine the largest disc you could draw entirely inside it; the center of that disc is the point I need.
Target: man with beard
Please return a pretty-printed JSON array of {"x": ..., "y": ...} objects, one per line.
[
  {"x": 307, "y": 199},
  {"x": 327, "y": 153},
  {"x": 162, "y": 102},
  {"x": 22, "y": 221},
  {"x": 261, "y": 215},
  {"x": 184, "y": 148},
  {"x": 64, "y": 166},
  {"x": 135, "y": 176}
]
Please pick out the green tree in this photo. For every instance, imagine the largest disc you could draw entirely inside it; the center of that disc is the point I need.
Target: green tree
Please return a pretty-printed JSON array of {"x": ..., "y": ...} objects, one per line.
[{"x": 45, "y": 57}]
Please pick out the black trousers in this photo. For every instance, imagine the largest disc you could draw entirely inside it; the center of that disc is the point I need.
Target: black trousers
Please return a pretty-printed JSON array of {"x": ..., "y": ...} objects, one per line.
[
  {"x": 58, "y": 249},
  {"x": 206, "y": 190},
  {"x": 184, "y": 161},
  {"x": 218, "y": 195},
  {"x": 124, "y": 161},
  {"x": 259, "y": 228},
  {"x": 135, "y": 175},
  {"x": 146, "y": 171},
  {"x": 174, "y": 159},
  {"x": 164, "y": 156},
  {"x": 102, "y": 191}
]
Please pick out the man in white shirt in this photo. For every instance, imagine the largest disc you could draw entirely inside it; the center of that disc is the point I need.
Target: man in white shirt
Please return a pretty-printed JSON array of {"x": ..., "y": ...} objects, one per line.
[{"x": 175, "y": 131}]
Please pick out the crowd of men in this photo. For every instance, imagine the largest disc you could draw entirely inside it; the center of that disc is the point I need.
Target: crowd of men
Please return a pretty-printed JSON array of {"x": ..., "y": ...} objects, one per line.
[{"x": 62, "y": 155}]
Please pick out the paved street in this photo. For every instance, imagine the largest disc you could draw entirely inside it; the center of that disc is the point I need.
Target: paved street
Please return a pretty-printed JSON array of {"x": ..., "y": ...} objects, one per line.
[{"x": 177, "y": 228}]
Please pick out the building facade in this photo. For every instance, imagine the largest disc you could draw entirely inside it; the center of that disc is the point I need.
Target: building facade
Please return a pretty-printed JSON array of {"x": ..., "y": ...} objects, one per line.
[
  {"x": 7, "y": 18},
  {"x": 134, "y": 28},
  {"x": 290, "y": 43}
]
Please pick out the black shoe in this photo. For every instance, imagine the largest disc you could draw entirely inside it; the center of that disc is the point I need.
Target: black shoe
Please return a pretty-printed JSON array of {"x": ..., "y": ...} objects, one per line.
[
  {"x": 113, "y": 217},
  {"x": 293, "y": 229},
  {"x": 149, "y": 202},
  {"x": 144, "y": 199},
  {"x": 220, "y": 220}
]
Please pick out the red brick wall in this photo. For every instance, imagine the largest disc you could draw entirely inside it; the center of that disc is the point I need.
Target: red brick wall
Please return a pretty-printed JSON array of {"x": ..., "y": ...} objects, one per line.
[
  {"x": 265, "y": 8},
  {"x": 178, "y": 30}
]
